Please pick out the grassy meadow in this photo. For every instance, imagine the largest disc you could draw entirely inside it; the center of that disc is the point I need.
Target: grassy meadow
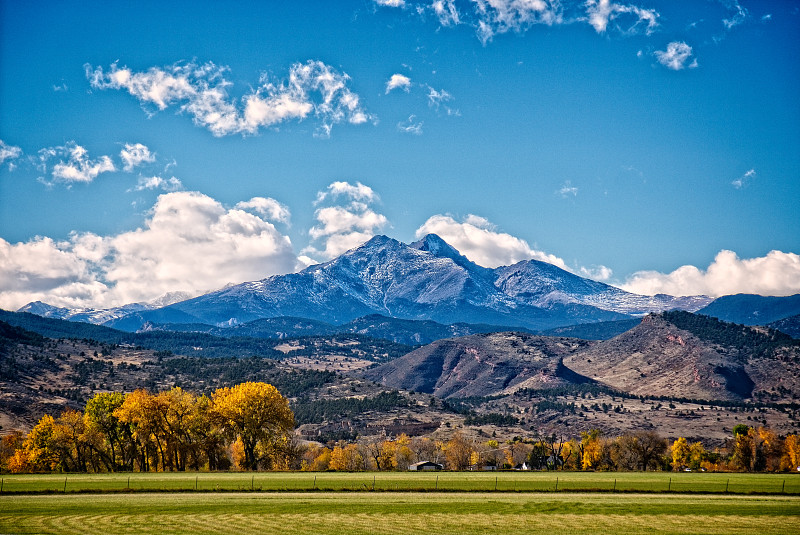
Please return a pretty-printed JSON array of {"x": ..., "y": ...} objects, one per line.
[
  {"x": 398, "y": 513},
  {"x": 684, "y": 482}
]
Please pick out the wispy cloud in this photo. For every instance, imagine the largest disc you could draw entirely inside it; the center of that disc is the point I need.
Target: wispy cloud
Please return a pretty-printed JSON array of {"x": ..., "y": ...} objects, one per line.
[
  {"x": 738, "y": 13},
  {"x": 601, "y": 13},
  {"x": 777, "y": 273},
  {"x": 134, "y": 155},
  {"x": 493, "y": 17},
  {"x": 745, "y": 179},
  {"x": 398, "y": 81},
  {"x": 567, "y": 190},
  {"x": 490, "y": 18},
  {"x": 157, "y": 182},
  {"x": 312, "y": 89},
  {"x": 391, "y": 3},
  {"x": 438, "y": 99},
  {"x": 142, "y": 264},
  {"x": 9, "y": 153},
  {"x": 676, "y": 56},
  {"x": 446, "y": 11},
  {"x": 411, "y": 126},
  {"x": 345, "y": 220}
]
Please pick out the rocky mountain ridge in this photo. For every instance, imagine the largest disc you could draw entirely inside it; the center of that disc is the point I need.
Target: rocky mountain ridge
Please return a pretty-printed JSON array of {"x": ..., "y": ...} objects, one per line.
[{"x": 674, "y": 354}]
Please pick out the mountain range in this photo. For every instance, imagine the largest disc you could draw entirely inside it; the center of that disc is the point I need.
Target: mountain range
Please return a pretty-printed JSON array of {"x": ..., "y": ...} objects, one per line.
[{"x": 425, "y": 280}]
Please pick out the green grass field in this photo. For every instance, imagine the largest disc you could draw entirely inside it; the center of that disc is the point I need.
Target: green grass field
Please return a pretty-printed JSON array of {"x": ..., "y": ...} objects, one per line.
[
  {"x": 398, "y": 513},
  {"x": 694, "y": 482}
]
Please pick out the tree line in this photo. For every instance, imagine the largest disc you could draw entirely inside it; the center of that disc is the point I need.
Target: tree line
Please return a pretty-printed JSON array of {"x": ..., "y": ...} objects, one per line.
[
  {"x": 749, "y": 450},
  {"x": 250, "y": 427}
]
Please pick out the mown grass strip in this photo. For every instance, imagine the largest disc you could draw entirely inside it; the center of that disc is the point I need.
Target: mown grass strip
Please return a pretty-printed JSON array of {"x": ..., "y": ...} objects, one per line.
[{"x": 399, "y": 513}]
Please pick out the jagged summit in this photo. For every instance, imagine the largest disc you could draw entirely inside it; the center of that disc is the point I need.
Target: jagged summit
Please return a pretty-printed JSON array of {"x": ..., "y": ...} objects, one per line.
[{"x": 436, "y": 246}]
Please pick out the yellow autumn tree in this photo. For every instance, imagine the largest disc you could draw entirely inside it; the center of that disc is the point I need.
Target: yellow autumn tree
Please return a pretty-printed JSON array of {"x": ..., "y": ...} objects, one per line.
[
  {"x": 791, "y": 453},
  {"x": 315, "y": 458},
  {"x": 141, "y": 411},
  {"x": 591, "y": 449},
  {"x": 680, "y": 454},
  {"x": 37, "y": 453},
  {"x": 403, "y": 454},
  {"x": 346, "y": 458},
  {"x": 697, "y": 455},
  {"x": 258, "y": 415},
  {"x": 386, "y": 459},
  {"x": 458, "y": 452}
]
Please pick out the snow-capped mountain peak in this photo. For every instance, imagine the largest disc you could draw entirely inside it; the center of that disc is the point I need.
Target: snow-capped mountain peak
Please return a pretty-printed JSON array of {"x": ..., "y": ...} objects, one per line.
[{"x": 428, "y": 279}]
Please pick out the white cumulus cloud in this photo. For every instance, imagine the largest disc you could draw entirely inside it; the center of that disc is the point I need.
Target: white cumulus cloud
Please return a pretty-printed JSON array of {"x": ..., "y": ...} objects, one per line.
[
  {"x": 477, "y": 239},
  {"x": 77, "y": 167},
  {"x": 267, "y": 207},
  {"x": 676, "y": 56},
  {"x": 354, "y": 192},
  {"x": 134, "y": 155},
  {"x": 189, "y": 242},
  {"x": 776, "y": 274},
  {"x": 345, "y": 221},
  {"x": 312, "y": 89},
  {"x": 398, "y": 81}
]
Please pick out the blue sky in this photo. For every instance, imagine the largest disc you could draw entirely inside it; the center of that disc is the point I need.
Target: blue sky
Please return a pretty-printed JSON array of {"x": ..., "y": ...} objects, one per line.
[{"x": 178, "y": 146}]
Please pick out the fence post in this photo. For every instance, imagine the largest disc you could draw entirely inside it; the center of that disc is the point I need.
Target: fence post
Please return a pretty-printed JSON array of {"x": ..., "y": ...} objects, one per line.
[
  {"x": 373, "y": 481},
  {"x": 314, "y": 487},
  {"x": 65, "y": 485},
  {"x": 495, "y": 482},
  {"x": 556, "y": 484},
  {"x": 437, "y": 482},
  {"x": 252, "y": 480},
  {"x": 783, "y": 486},
  {"x": 129, "y": 482},
  {"x": 195, "y": 483},
  {"x": 615, "y": 486}
]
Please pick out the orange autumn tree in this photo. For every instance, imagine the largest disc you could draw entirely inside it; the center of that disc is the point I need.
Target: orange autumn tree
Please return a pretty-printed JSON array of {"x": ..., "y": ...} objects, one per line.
[{"x": 259, "y": 416}]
